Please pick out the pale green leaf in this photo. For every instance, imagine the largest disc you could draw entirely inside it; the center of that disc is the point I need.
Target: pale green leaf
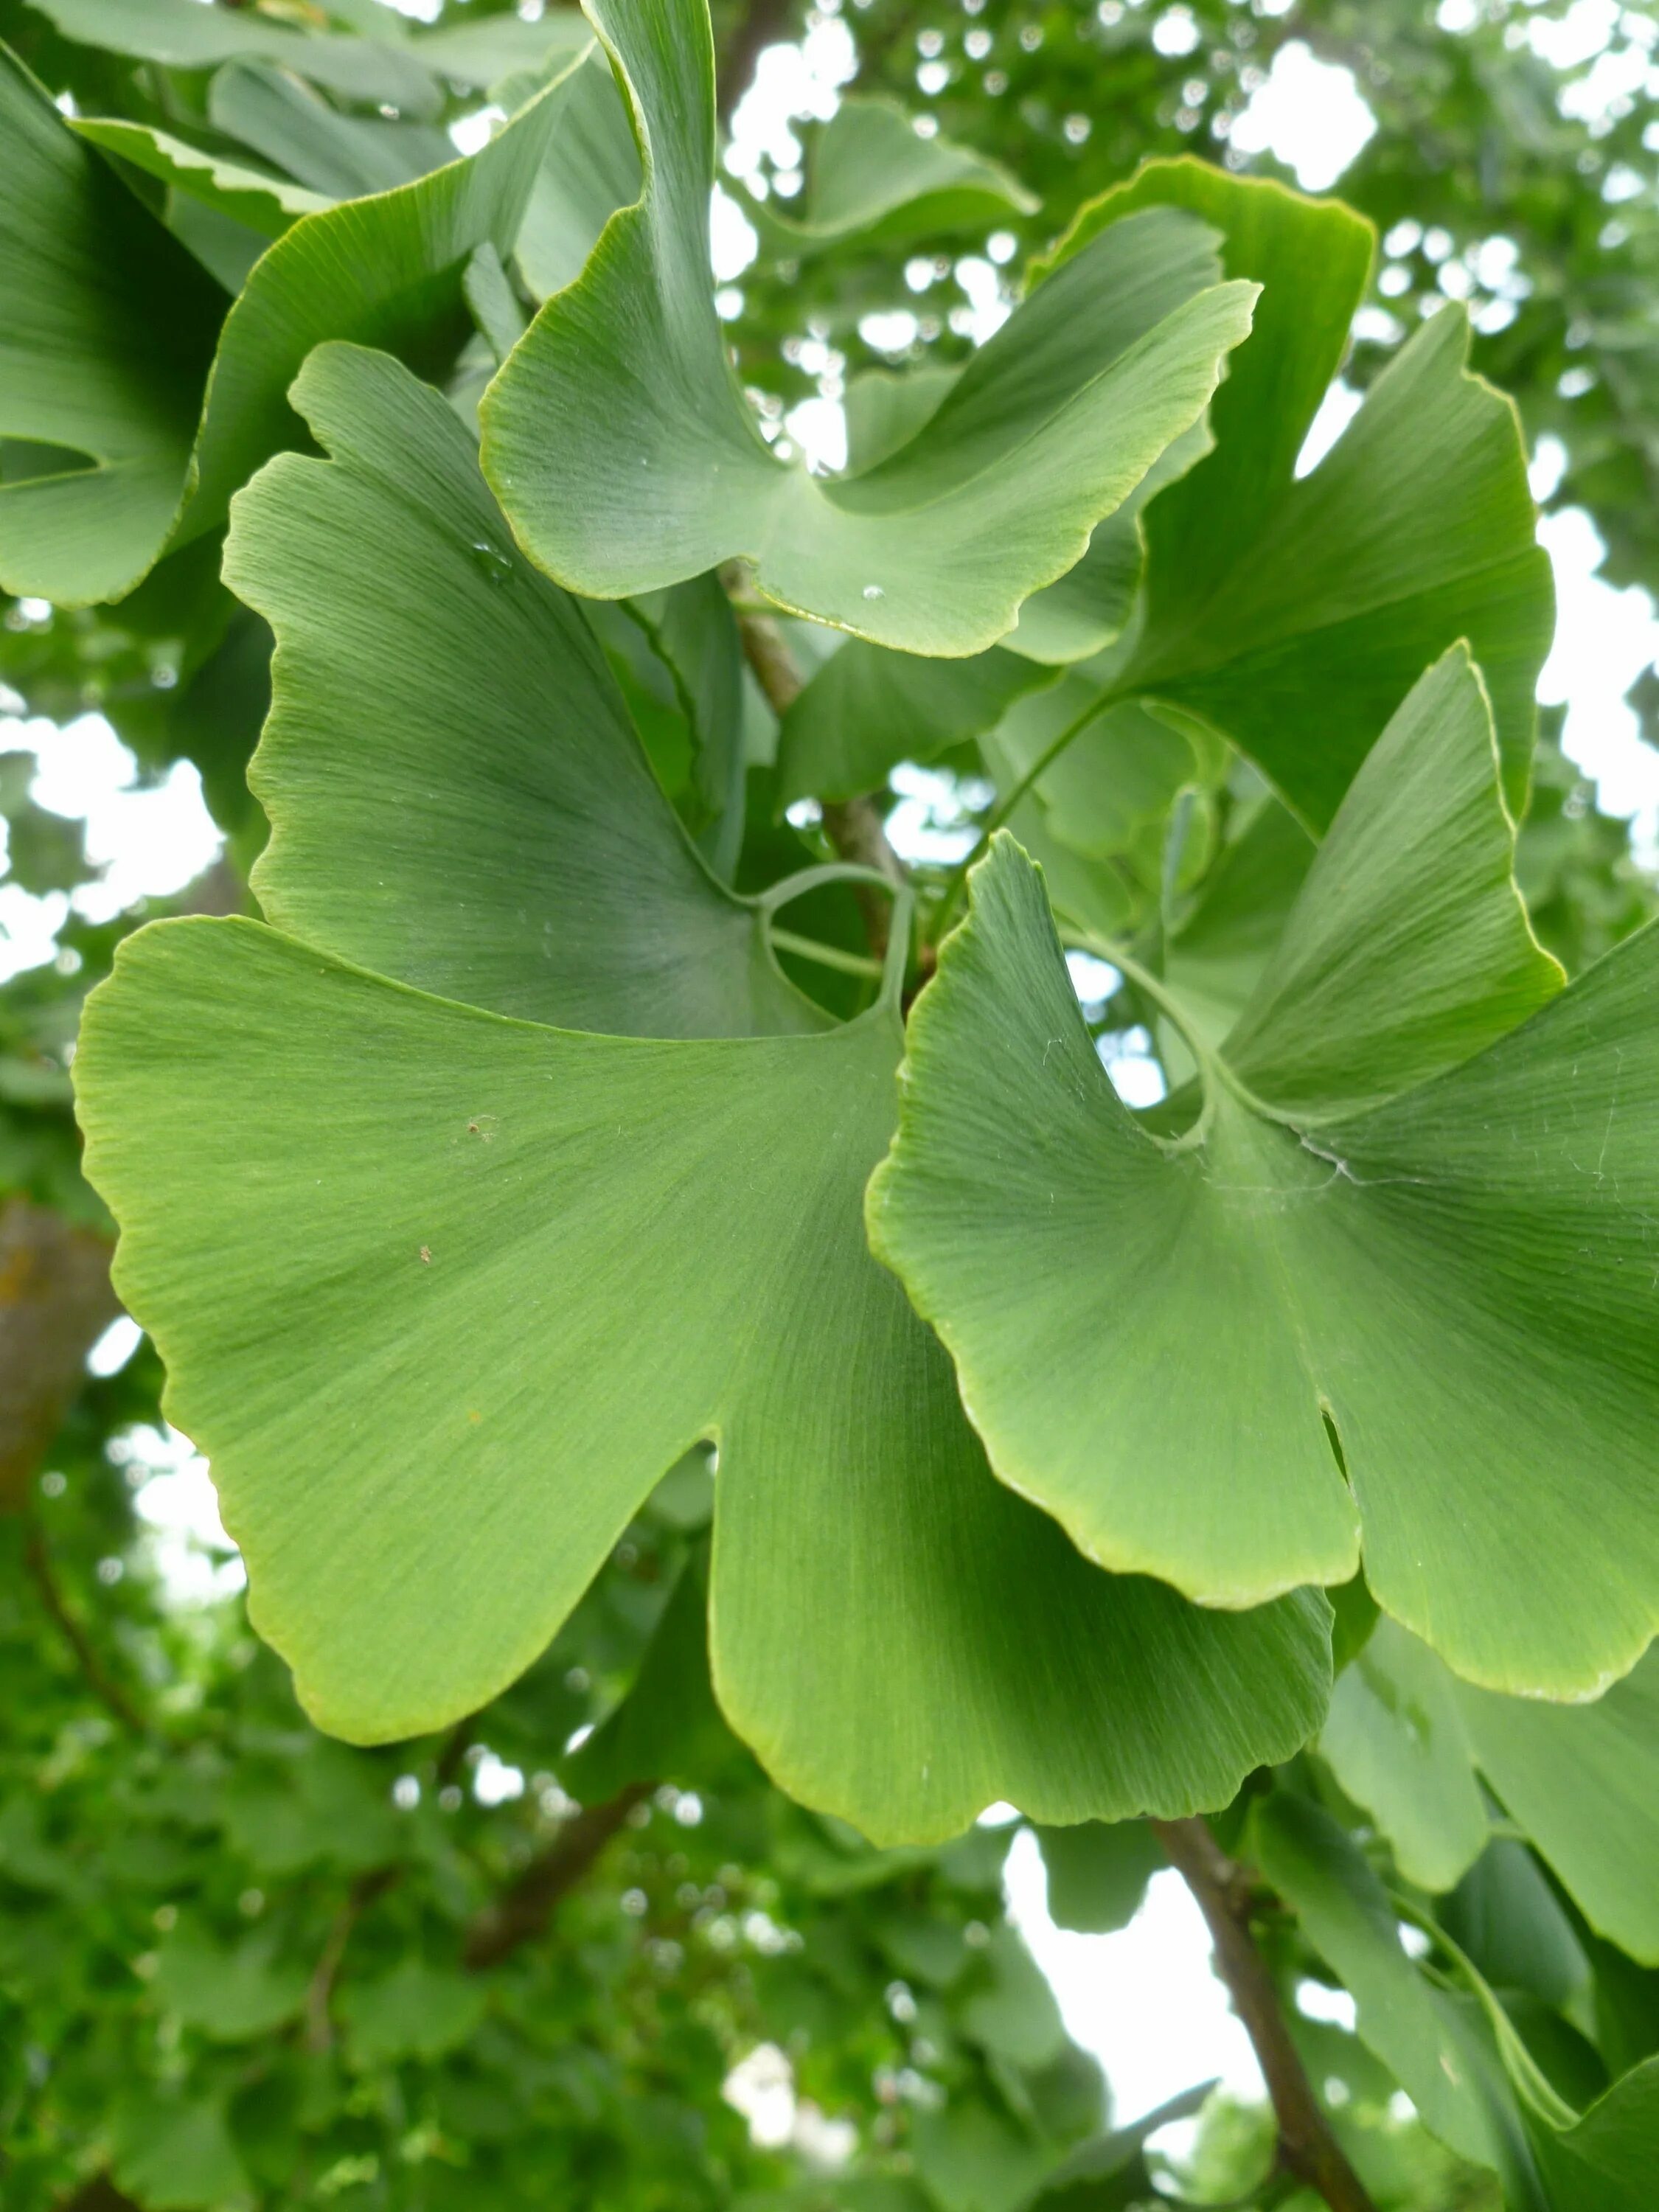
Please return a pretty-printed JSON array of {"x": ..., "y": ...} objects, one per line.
[
  {"x": 175, "y": 2156},
  {"x": 266, "y": 205},
  {"x": 667, "y": 1728},
  {"x": 183, "y": 34},
  {"x": 1426, "y": 2042},
  {"x": 1097, "y": 1873},
  {"x": 623, "y": 380},
  {"x": 590, "y": 169},
  {"x": 341, "y": 157},
  {"x": 549, "y": 1262},
  {"x": 869, "y": 176},
  {"x": 1294, "y": 614},
  {"x": 1152, "y": 1336},
  {"x": 1583, "y": 1782},
  {"x": 1395, "y": 1739}
]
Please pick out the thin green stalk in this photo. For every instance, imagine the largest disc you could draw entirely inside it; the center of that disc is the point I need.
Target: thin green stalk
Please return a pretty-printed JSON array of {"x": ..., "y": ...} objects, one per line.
[{"x": 1003, "y": 807}]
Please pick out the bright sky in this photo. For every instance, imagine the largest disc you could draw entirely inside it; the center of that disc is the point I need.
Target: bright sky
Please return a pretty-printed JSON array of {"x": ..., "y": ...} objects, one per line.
[{"x": 1144, "y": 2001}]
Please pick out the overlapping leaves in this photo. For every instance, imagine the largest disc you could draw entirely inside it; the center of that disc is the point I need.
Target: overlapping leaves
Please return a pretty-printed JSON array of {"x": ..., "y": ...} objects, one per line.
[
  {"x": 1396, "y": 1280},
  {"x": 133, "y": 404},
  {"x": 478, "y": 1281},
  {"x": 623, "y": 380}
]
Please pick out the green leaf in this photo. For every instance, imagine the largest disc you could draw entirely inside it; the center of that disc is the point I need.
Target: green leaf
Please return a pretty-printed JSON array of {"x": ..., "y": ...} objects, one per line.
[
  {"x": 1015, "y": 2017},
  {"x": 176, "y": 2156},
  {"x": 182, "y": 34},
  {"x": 231, "y": 1992},
  {"x": 1294, "y": 614},
  {"x": 869, "y": 176},
  {"x": 1152, "y": 1336},
  {"x": 1507, "y": 1920},
  {"x": 1098, "y": 1873},
  {"x": 417, "y": 2011},
  {"x": 1606, "y": 2162},
  {"x": 1110, "y": 2174},
  {"x": 971, "y": 2157},
  {"x": 441, "y": 1214},
  {"x": 339, "y": 156},
  {"x": 387, "y": 269},
  {"x": 1426, "y": 2043},
  {"x": 552, "y": 1261},
  {"x": 668, "y": 1727},
  {"x": 623, "y": 380},
  {"x": 867, "y": 709},
  {"x": 265, "y": 204},
  {"x": 403, "y": 613},
  {"x": 1583, "y": 1782},
  {"x": 87, "y": 363},
  {"x": 590, "y": 169},
  {"x": 1395, "y": 1739},
  {"x": 1406, "y": 1740}
]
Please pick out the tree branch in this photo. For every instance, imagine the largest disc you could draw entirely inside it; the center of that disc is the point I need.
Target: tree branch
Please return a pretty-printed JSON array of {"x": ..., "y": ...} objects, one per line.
[
  {"x": 55, "y": 1303},
  {"x": 319, "y": 2026},
  {"x": 523, "y": 1910},
  {"x": 1226, "y": 1894},
  {"x": 103, "y": 1685}
]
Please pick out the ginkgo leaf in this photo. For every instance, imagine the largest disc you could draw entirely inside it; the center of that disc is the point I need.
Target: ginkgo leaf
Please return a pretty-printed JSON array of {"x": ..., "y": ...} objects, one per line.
[
  {"x": 1396, "y": 1740},
  {"x": 1294, "y": 613},
  {"x": 108, "y": 351},
  {"x": 1407, "y": 1739},
  {"x": 403, "y": 613},
  {"x": 870, "y": 175},
  {"x": 623, "y": 380},
  {"x": 86, "y": 363},
  {"x": 477, "y": 1282},
  {"x": 1433, "y": 2049},
  {"x": 1219, "y": 1358},
  {"x": 181, "y": 34},
  {"x": 481, "y": 1281},
  {"x": 265, "y": 203},
  {"x": 867, "y": 709},
  {"x": 339, "y": 156},
  {"x": 590, "y": 169}
]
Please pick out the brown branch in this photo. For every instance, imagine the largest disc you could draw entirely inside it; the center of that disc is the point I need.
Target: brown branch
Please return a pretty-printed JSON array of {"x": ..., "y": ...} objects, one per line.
[
  {"x": 319, "y": 1995},
  {"x": 103, "y": 1685},
  {"x": 1226, "y": 1894},
  {"x": 524, "y": 1910},
  {"x": 853, "y": 826},
  {"x": 55, "y": 1303}
]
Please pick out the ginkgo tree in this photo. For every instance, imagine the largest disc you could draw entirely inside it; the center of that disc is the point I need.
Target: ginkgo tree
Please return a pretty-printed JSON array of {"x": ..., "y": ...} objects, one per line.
[{"x": 1265, "y": 1470}]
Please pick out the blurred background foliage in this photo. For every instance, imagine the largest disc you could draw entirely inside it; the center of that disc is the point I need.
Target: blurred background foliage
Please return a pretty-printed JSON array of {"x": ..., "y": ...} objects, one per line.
[{"x": 529, "y": 1965}]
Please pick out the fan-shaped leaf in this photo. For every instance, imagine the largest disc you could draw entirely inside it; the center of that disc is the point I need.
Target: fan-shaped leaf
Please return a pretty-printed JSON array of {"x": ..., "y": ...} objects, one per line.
[
  {"x": 1295, "y": 613},
  {"x": 478, "y": 1282},
  {"x": 624, "y": 381},
  {"x": 1153, "y": 1336}
]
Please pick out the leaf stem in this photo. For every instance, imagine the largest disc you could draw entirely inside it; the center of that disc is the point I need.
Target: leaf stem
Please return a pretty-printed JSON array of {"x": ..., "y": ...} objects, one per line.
[
  {"x": 1003, "y": 807},
  {"x": 1226, "y": 1894},
  {"x": 826, "y": 956}
]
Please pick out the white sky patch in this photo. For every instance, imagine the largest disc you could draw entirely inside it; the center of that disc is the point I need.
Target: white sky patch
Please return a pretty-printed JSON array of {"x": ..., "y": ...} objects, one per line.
[
  {"x": 1568, "y": 41},
  {"x": 468, "y": 133},
  {"x": 1144, "y": 2001},
  {"x": 1336, "y": 410},
  {"x": 115, "y": 1346},
  {"x": 791, "y": 83},
  {"x": 1309, "y": 114},
  {"x": 733, "y": 241},
  {"x": 175, "y": 1500},
  {"x": 149, "y": 841},
  {"x": 1604, "y": 639},
  {"x": 818, "y": 427}
]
